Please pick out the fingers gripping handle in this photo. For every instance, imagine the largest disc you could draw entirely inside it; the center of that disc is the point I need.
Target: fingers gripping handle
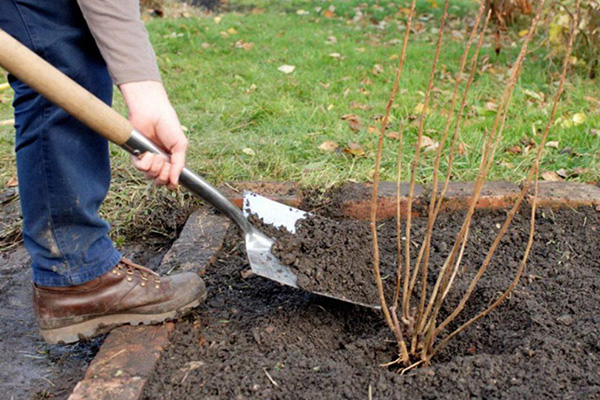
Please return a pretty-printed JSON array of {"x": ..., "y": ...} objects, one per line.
[{"x": 62, "y": 90}]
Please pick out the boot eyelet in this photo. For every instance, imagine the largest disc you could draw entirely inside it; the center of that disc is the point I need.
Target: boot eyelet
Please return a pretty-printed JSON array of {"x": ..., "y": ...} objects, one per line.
[
  {"x": 143, "y": 284},
  {"x": 157, "y": 286},
  {"x": 129, "y": 278}
]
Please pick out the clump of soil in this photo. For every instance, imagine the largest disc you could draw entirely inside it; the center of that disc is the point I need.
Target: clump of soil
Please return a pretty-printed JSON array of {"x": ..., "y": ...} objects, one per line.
[
  {"x": 331, "y": 256},
  {"x": 257, "y": 339}
]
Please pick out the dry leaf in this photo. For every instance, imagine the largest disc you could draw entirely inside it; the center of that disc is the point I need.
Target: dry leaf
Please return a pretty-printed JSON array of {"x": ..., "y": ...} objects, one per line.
[
  {"x": 562, "y": 173},
  {"x": 393, "y": 135},
  {"x": 428, "y": 144},
  {"x": 7, "y": 122},
  {"x": 205, "y": 45},
  {"x": 553, "y": 144},
  {"x": 358, "y": 106},
  {"x": 534, "y": 95},
  {"x": 231, "y": 31},
  {"x": 551, "y": 176},
  {"x": 286, "y": 69},
  {"x": 523, "y": 33},
  {"x": 241, "y": 44},
  {"x": 377, "y": 69},
  {"x": 514, "y": 149},
  {"x": 354, "y": 149},
  {"x": 4, "y": 86},
  {"x": 372, "y": 129},
  {"x": 331, "y": 40},
  {"x": 335, "y": 55},
  {"x": 505, "y": 164},
  {"x": 217, "y": 19},
  {"x": 328, "y": 14},
  {"x": 12, "y": 182},
  {"x": 419, "y": 109},
  {"x": 461, "y": 149},
  {"x": 302, "y": 12},
  {"x": 491, "y": 106},
  {"x": 579, "y": 118},
  {"x": 249, "y": 151},
  {"x": 329, "y": 146}
]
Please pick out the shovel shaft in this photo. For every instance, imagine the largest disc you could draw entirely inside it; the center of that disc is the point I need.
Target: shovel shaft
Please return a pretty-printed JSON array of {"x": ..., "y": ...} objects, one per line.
[
  {"x": 81, "y": 104},
  {"x": 138, "y": 144}
]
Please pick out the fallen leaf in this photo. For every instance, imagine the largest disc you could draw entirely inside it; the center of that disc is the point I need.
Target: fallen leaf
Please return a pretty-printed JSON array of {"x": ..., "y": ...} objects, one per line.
[
  {"x": 516, "y": 149},
  {"x": 505, "y": 164},
  {"x": 580, "y": 171},
  {"x": 241, "y": 44},
  {"x": 217, "y": 19},
  {"x": 354, "y": 149},
  {"x": 205, "y": 45},
  {"x": 331, "y": 40},
  {"x": 353, "y": 121},
  {"x": 491, "y": 106},
  {"x": 330, "y": 107},
  {"x": 249, "y": 151},
  {"x": 7, "y": 122},
  {"x": 523, "y": 33},
  {"x": 419, "y": 109},
  {"x": 287, "y": 69},
  {"x": 579, "y": 118},
  {"x": 329, "y": 146},
  {"x": 393, "y": 135},
  {"x": 231, "y": 31},
  {"x": 302, "y": 12},
  {"x": 534, "y": 95},
  {"x": 551, "y": 176},
  {"x": 12, "y": 182},
  {"x": 461, "y": 149},
  {"x": 358, "y": 106},
  {"x": 366, "y": 81},
  {"x": 553, "y": 144},
  {"x": 428, "y": 144},
  {"x": 335, "y": 55},
  {"x": 562, "y": 173},
  {"x": 4, "y": 86},
  {"x": 377, "y": 69},
  {"x": 328, "y": 14},
  {"x": 372, "y": 129},
  {"x": 325, "y": 85}
]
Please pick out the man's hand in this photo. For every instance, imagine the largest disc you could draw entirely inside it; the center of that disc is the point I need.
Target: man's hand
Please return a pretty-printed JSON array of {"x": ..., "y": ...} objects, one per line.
[{"x": 151, "y": 114}]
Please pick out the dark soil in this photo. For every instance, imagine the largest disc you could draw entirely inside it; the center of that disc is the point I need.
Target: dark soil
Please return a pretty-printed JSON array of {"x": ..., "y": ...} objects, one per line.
[
  {"x": 333, "y": 257},
  {"x": 29, "y": 368},
  {"x": 257, "y": 339}
]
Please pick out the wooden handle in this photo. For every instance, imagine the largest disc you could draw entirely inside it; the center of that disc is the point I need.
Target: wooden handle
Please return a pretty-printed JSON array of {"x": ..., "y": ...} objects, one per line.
[{"x": 62, "y": 90}]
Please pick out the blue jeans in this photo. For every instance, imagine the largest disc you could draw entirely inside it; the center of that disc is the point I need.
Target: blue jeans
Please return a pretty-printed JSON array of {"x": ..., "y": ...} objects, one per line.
[{"x": 63, "y": 167}]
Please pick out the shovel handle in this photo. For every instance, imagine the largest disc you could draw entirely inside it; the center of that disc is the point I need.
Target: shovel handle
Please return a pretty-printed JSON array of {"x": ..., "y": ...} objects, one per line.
[
  {"x": 62, "y": 90},
  {"x": 81, "y": 104}
]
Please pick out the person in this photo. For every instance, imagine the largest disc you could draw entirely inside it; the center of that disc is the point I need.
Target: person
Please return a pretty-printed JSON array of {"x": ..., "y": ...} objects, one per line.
[{"x": 82, "y": 286}]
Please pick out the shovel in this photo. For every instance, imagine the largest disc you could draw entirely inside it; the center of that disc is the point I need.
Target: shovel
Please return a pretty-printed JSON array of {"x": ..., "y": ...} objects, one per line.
[{"x": 81, "y": 104}]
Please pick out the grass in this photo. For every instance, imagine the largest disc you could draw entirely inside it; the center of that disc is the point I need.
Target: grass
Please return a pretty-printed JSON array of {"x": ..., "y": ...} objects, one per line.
[{"x": 248, "y": 121}]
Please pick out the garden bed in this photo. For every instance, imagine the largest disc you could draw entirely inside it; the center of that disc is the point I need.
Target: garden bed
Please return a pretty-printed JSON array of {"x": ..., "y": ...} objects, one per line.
[{"x": 257, "y": 339}]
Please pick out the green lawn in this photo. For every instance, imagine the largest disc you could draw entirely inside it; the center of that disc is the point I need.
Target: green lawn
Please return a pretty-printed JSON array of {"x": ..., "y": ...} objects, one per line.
[{"x": 248, "y": 121}]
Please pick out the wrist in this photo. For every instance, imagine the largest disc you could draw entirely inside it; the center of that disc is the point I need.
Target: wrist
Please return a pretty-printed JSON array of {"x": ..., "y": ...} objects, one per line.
[{"x": 144, "y": 96}]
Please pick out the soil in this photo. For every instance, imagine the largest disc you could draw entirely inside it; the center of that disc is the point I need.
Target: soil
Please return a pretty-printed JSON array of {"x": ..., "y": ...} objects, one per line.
[
  {"x": 29, "y": 368},
  {"x": 331, "y": 257},
  {"x": 257, "y": 339}
]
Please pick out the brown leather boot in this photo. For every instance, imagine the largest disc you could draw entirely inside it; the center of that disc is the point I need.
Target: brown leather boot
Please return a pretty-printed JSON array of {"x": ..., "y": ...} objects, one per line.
[{"x": 128, "y": 294}]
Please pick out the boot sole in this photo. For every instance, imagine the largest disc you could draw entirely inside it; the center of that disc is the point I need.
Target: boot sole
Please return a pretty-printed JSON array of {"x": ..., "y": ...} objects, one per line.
[{"x": 104, "y": 324}]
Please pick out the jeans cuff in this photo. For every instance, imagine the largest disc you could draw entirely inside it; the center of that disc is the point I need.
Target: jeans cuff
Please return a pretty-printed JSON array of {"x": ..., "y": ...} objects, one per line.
[{"x": 84, "y": 275}]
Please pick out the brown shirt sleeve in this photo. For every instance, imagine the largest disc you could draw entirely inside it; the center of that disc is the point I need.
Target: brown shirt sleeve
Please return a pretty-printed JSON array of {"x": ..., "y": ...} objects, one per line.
[{"x": 122, "y": 39}]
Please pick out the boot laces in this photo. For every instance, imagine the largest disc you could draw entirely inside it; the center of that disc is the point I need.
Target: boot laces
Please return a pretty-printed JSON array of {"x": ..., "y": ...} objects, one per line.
[{"x": 144, "y": 272}]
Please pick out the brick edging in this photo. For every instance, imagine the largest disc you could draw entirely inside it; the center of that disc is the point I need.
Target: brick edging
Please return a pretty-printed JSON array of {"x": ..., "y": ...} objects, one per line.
[{"x": 129, "y": 354}]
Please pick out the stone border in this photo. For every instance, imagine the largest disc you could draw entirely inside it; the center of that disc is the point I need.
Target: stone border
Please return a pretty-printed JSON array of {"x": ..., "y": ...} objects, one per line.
[{"x": 129, "y": 354}]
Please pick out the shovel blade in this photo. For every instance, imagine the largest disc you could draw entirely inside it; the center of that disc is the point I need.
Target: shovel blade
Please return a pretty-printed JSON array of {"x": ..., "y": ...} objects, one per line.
[{"x": 258, "y": 245}]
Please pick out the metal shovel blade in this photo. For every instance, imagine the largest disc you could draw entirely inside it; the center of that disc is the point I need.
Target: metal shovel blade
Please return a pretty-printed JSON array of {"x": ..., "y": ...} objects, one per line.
[{"x": 258, "y": 245}]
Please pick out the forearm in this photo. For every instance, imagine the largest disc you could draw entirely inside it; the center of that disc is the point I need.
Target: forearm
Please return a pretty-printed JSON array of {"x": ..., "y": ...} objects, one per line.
[{"x": 122, "y": 39}]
